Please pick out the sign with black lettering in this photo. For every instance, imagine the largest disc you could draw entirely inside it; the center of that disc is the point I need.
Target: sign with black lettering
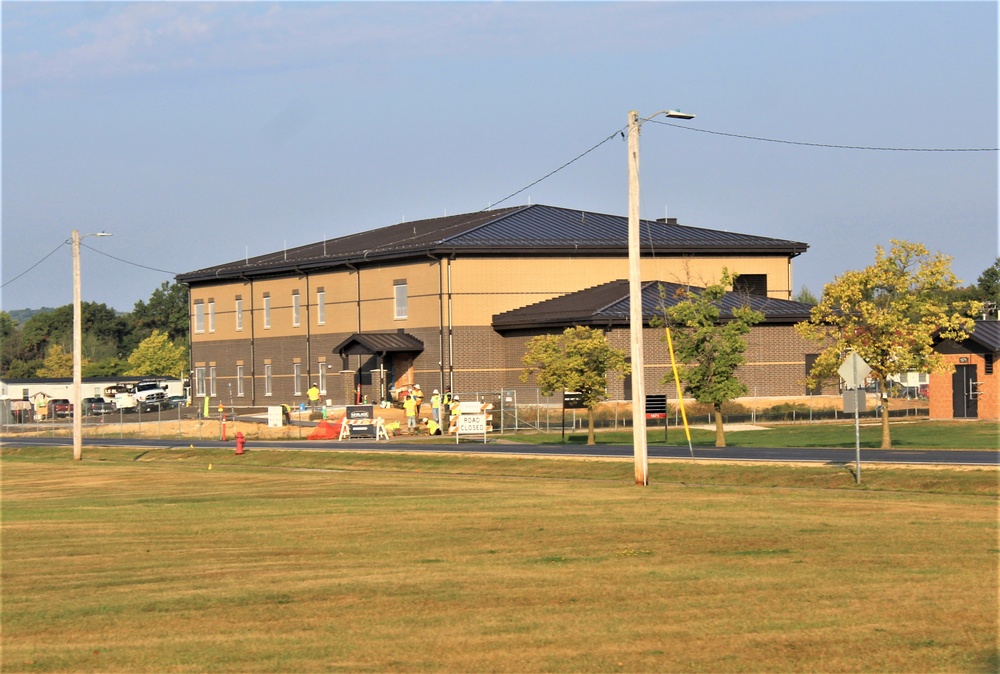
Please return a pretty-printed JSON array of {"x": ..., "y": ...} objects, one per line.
[
  {"x": 656, "y": 406},
  {"x": 360, "y": 411}
]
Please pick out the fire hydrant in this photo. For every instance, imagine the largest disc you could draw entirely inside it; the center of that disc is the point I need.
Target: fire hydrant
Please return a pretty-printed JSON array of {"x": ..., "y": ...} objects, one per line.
[{"x": 240, "y": 443}]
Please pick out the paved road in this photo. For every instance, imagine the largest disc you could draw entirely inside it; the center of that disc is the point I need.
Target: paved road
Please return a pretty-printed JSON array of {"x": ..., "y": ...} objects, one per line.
[{"x": 810, "y": 455}]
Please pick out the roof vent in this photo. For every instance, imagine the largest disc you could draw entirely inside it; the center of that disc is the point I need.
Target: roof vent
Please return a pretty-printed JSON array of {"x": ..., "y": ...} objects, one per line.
[{"x": 667, "y": 221}]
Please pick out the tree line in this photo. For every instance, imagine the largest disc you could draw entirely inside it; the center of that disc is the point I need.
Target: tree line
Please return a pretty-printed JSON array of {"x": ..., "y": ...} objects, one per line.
[{"x": 152, "y": 339}]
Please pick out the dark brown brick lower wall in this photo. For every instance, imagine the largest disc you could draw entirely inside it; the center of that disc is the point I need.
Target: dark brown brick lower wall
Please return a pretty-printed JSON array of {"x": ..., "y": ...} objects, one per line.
[{"x": 481, "y": 360}]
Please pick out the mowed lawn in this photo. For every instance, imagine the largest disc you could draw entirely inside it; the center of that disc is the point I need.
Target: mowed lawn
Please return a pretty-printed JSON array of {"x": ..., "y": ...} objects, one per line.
[{"x": 162, "y": 565}]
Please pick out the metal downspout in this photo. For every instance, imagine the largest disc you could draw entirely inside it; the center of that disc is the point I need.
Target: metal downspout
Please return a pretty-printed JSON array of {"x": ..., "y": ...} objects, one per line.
[
  {"x": 451, "y": 335},
  {"x": 309, "y": 374},
  {"x": 440, "y": 321},
  {"x": 253, "y": 358}
]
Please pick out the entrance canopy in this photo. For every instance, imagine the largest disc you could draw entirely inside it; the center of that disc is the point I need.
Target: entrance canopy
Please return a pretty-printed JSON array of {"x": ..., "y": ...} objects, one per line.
[{"x": 378, "y": 343}]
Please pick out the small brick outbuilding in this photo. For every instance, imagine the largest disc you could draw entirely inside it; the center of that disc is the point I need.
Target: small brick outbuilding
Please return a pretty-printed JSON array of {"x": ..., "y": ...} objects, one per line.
[{"x": 972, "y": 390}]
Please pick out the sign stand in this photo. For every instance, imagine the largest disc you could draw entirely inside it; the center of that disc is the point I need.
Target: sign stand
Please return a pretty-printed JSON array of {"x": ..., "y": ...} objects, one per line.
[{"x": 854, "y": 371}]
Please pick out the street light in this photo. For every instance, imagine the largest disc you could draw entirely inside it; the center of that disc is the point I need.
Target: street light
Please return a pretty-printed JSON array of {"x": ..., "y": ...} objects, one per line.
[
  {"x": 78, "y": 347},
  {"x": 635, "y": 295}
]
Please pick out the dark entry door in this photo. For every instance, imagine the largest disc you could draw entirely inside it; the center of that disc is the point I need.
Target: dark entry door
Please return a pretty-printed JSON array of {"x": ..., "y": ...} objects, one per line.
[{"x": 964, "y": 392}]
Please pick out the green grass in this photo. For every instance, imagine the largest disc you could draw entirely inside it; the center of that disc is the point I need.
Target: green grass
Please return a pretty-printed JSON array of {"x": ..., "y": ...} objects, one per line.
[
  {"x": 921, "y": 434},
  {"x": 135, "y": 561}
]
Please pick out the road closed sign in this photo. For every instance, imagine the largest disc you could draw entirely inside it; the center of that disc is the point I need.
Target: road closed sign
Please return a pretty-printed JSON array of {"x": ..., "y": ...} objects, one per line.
[{"x": 472, "y": 424}]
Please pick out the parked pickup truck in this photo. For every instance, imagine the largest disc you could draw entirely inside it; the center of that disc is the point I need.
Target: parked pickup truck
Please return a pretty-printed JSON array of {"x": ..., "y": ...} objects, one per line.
[
  {"x": 60, "y": 407},
  {"x": 93, "y": 406}
]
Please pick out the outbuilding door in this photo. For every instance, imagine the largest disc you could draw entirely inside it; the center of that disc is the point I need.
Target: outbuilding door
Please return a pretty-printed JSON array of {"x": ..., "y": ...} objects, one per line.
[{"x": 964, "y": 392}]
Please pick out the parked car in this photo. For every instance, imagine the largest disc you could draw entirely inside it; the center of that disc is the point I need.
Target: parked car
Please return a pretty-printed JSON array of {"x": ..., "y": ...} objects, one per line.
[
  {"x": 60, "y": 407},
  {"x": 93, "y": 406},
  {"x": 175, "y": 401}
]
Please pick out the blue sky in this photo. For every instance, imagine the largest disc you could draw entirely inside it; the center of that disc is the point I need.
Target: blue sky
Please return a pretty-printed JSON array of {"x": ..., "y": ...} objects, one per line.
[{"x": 200, "y": 133}]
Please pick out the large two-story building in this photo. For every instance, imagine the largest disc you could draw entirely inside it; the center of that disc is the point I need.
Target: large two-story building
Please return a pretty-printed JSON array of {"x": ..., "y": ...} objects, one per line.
[{"x": 450, "y": 301}]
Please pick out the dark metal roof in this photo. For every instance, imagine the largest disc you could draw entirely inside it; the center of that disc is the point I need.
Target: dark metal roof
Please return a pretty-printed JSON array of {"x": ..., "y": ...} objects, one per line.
[
  {"x": 364, "y": 343},
  {"x": 519, "y": 230},
  {"x": 608, "y": 304},
  {"x": 987, "y": 333}
]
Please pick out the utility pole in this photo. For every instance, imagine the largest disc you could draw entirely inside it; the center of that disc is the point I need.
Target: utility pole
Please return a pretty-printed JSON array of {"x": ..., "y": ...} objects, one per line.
[
  {"x": 639, "y": 441},
  {"x": 78, "y": 347},
  {"x": 77, "y": 352}
]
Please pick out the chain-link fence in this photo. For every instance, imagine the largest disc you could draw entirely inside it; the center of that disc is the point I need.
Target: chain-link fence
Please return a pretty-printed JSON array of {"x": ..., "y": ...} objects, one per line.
[{"x": 526, "y": 409}]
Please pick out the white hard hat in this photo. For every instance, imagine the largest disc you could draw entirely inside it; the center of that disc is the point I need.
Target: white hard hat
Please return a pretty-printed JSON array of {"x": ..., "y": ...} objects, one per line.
[
  {"x": 435, "y": 391},
  {"x": 416, "y": 386}
]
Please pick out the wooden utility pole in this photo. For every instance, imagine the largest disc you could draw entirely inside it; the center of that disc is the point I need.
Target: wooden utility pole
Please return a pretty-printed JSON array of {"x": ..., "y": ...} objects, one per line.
[
  {"x": 77, "y": 353},
  {"x": 635, "y": 296},
  {"x": 635, "y": 307}
]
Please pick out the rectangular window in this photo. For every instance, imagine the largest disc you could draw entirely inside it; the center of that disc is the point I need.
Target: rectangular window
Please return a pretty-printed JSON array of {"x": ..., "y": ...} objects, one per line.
[
  {"x": 199, "y": 317},
  {"x": 399, "y": 293},
  {"x": 322, "y": 378},
  {"x": 321, "y": 307},
  {"x": 267, "y": 311},
  {"x": 239, "y": 313},
  {"x": 199, "y": 381},
  {"x": 267, "y": 380},
  {"x": 211, "y": 380},
  {"x": 297, "y": 378},
  {"x": 239, "y": 381},
  {"x": 211, "y": 315},
  {"x": 810, "y": 361},
  {"x": 751, "y": 284},
  {"x": 296, "y": 309}
]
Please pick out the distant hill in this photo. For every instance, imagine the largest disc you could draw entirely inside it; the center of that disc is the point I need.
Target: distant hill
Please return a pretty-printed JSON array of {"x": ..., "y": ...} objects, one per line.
[{"x": 21, "y": 315}]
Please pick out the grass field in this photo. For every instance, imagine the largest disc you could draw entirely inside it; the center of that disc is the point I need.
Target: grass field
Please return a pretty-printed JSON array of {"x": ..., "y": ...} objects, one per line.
[
  {"x": 149, "y": 561},
  {"x": 917, "y": 434}
]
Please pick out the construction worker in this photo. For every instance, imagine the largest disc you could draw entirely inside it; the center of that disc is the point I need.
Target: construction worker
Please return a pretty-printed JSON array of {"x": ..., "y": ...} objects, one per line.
[
  {"x": 410, "y": 408},
  {"x": 313, "y": 394},
  {"x": 433, "y": 427},
  {"x": 446, "y": 399},
  {"x": 436, "y": 406},
  {"x": 418, "y": 395}
]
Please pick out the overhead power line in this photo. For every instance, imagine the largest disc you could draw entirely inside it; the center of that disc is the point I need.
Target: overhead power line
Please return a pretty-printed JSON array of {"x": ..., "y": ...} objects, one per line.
[
  {"x": 134, "y": 264},
  {"x": 83, "y": 245},
  {"x": 552, "y": 173},
  {"x": 829, "y": 145},
  {"x": 621, "y": 132},
  {"x": 9, "y": 281}
]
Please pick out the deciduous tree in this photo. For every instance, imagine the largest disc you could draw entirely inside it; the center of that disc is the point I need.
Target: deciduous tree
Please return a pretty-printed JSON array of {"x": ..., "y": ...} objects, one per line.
[
  {"x": 57, "y": 363},
  {"x": 577, "y": 360},
  {"x": 710, "y": 345},
  {"x": 889, "y": 313},
  {"x": 158, "y": 356},
  {"x": 166, "y": 311}
]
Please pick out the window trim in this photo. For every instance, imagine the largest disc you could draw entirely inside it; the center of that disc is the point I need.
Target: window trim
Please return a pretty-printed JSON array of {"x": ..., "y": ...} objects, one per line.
[
  {"x": 199, "y": 317},
  {"x": 400, "y": 300}
]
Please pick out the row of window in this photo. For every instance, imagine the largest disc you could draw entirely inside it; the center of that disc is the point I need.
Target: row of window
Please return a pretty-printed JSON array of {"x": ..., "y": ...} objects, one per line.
[
  {"x": 201, "y": 308},
  {"x": 205, "y": 379}
]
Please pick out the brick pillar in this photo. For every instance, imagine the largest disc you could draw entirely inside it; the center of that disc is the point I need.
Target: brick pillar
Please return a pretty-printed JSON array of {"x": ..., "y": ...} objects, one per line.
[{"x": 348, "y": 392}]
